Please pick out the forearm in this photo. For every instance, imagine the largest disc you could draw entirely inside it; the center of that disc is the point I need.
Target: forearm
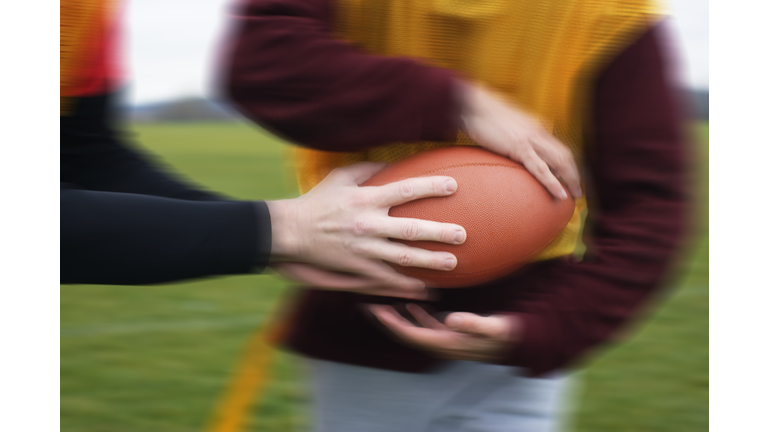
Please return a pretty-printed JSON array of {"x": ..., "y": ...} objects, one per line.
[
  {"x": 286, "y": 72},
  {"x": 637, "y": 215},
  {"x": 128, "y": 239},
  {"x": 576, "y": 307}
]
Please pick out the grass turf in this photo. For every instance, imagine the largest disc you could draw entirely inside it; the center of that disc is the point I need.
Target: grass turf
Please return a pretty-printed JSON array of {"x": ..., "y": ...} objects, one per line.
[{"x": 159, "y": 357}]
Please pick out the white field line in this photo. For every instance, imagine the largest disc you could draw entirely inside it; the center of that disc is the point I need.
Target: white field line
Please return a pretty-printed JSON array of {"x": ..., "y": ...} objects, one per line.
[{"x": 158, "y": 326}]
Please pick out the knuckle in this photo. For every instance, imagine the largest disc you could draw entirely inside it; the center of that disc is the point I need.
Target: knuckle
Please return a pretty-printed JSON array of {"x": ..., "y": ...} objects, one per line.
[
  {"x": 538, "y": 167},
  {"x": 362, "y": 198},
  {"x": 435, "y": 186},
  {"x": 447, "y": 235},
  {"x": 357, "y": 248},
  {"x": 559, "y": 161},
  {"x": 529, "y": 153},
  {"x": 411, "y": 231},
  {"x": 404, "y": 258},
  {"x": 336, "y": 173},
  {"x": 565, "y": 158},
  {"x": 362, "y": 227},
  {"x": 407, "y": 190}
]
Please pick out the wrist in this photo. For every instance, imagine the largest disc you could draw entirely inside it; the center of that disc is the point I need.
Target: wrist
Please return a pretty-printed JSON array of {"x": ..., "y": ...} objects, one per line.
[
  {"x": 285, "y": 232},
  {"x": 469, "y": 97},
  {"x": 464, "y": 95}
]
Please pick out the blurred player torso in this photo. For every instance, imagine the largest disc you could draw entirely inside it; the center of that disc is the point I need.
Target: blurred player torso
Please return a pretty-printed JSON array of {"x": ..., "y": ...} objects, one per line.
[{"x": 542, "y": 55}]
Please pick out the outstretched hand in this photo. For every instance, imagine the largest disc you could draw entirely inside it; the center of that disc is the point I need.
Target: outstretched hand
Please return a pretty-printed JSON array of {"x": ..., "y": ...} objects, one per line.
[
  {"x": 505, "y": 129},
  {"x": 463, "y": 336},
  {"x": 336, "y": 235}
]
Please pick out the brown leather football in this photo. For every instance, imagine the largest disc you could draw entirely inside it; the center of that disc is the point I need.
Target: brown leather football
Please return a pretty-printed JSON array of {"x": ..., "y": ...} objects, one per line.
[{"x": 509, "y": 216}]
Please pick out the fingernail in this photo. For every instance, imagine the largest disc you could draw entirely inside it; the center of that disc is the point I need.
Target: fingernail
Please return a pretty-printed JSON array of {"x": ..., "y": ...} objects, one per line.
[
  {"x": 459, "y": 236},
  {"x": 562, "y": 194},
  {"x": 450, "y": 263},
  {"x": 450, "y": 185}
]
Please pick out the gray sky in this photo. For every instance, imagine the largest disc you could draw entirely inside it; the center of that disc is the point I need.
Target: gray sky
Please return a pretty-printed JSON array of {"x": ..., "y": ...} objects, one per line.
[{"x": 172, "y": 45}]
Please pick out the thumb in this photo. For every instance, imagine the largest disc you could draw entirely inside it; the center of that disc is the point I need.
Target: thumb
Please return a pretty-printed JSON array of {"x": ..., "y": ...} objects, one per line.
[
  {"x": 469, "y": 323},
  {"x": 497, "y": 327}
]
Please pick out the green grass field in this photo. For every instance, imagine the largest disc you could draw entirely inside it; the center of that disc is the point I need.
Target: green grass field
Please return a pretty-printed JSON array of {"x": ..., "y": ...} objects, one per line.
[{"x": 158, "y": 358}]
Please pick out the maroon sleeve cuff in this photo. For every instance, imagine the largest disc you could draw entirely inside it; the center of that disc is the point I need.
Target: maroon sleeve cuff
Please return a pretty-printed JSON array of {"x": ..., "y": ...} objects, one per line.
[
  {"x": 441, "y": 110},
  {"x": 523, "y": 352}
]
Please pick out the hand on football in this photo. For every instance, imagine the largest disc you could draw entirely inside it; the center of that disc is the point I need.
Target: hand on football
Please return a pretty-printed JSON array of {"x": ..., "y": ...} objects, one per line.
[
  {"x": 336, "y": 235},
  {"x": 507, "y": 130}
]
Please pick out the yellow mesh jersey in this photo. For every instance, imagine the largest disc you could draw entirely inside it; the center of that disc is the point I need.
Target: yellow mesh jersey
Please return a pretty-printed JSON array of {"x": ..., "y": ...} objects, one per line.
[
  {"x": 541, "y": 54},
  {"x": 78, "y": 21}
]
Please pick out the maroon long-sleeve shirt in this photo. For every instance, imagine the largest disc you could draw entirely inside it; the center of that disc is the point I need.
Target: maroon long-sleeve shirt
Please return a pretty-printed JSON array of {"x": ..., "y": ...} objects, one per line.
[{"x": 287, "y": 73}]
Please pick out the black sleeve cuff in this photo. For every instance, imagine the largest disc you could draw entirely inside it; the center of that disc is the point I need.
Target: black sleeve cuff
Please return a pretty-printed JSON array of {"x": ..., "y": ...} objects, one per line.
[{"x": 262, "y": 227}]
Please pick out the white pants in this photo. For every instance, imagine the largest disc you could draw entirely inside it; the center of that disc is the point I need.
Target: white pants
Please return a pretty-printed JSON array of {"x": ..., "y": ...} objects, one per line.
[{"x": 459, "y": 397}]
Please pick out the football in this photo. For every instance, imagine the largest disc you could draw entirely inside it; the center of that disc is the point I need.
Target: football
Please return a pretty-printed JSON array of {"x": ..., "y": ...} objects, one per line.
[{"x": 508, "y": 215}]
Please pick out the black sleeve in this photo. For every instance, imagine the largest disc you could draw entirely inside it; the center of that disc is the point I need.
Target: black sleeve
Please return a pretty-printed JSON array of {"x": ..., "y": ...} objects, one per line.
[
  {"x": 130, "y": 239},
  {"x": 125, "y": 220}
]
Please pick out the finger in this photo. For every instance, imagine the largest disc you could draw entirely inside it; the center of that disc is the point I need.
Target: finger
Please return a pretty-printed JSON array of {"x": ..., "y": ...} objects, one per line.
[
  {"x": 402, "y": 328},
  {"x": 422, "y": 230},
  {"x": 385, "y": 275},
  {"x": 402, "y": 191},
  {"x": 335, "y": 281},
  {"x": 407, "y": 256},
  {"x": 561, "y": 162},
  {"x": 321, "y": 278},
  {"x": 358, "y": 173},
  {"x": 541, "y": 172},
  {"x": 424, "y": 318},
  {"x": 388, "y": 316},
  {"x": 493, "y": 327}
]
